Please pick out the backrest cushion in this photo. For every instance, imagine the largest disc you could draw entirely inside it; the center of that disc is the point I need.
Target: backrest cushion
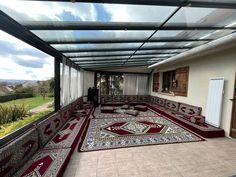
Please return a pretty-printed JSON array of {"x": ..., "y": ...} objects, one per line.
[
  {"x": 131, "y": 98},
  {"x": 16, "y": 153},
  {"x": 49, "y": 127},
  {"x": 172, "y": 105},
  {"x": 160, "y": 101},
  {"x": 152, "y": 99},
  {"x": 143, "y": 98},
  {"x": 189, "y": 110},
  {"x": 107, "y": 98},
  {"x": 66, "y": 113},
  {"x": 118, "y": 98}
]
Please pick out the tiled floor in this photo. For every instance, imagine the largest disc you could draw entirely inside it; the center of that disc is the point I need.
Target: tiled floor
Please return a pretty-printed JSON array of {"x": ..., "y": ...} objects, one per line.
[{"x": 211, "y": 158}]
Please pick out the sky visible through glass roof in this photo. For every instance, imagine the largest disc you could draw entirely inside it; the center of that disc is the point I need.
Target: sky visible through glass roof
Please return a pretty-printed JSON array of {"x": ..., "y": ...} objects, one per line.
[{"x": 132, "y": 49}]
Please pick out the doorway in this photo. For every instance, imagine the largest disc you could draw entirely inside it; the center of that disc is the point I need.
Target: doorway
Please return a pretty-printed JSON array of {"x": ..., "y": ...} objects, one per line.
[
  {"x": 109, "y": 84},
  {"x": 233, "y": 122}
]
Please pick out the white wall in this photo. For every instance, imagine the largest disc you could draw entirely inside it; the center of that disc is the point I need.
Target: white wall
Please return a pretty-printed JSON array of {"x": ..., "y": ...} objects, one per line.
[
  {"x": 201, "y": 69},
  {"x": 88, "y": 81}
]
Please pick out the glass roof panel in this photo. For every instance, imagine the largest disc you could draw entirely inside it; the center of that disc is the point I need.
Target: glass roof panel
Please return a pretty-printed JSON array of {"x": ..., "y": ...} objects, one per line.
[
  {"x": 67, "y": 11},
  {"x": 172, "y": 44},
  {"x": 192, "y": 34},
  {"x": 161, "y": 51},
  {"x": 214, "y": 1},
  {"x": 203, "y": 16},
  {"x": 60, "y": 35},
  {"x": 98, "y": 53},
  {"x": 100, "y": 58},
  {"x": 94, "y": 46}
]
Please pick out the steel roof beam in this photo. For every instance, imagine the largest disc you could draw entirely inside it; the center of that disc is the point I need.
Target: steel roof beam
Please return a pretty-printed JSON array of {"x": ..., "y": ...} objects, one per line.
[
  {"x": 81, "y": 25},
  {"x": 114, "y": 40},
  {"x": 116, "y": 55},
  {"x": 115, "y": 59},
  {"x": 183, "y": 3}
]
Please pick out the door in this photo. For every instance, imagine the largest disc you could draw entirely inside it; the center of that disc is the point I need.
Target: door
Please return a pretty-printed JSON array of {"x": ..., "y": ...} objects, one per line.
[{"x": 233, "y": 123}]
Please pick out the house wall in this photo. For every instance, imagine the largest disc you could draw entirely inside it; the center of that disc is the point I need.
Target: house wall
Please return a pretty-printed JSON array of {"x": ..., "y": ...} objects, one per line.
[
  {"x": 201, "y": 69},
  {"x": 88, "y": 81}
]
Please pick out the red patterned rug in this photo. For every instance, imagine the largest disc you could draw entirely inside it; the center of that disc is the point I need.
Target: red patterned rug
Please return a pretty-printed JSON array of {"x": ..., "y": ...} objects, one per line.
[{"x": 116, "y": 132}]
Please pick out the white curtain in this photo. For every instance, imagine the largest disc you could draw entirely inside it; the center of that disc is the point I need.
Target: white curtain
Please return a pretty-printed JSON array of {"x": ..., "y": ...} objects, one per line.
[
  {"x": 65, "y": 84},
  {"x": 71, "y": 83},
  {"x": 80, "y": 83},
  {"x": 142, "y": 85},
  {"x": 130, "y": 82},
  {"x": 74, "y": 84},
  {"x": 135, "y": 84}
]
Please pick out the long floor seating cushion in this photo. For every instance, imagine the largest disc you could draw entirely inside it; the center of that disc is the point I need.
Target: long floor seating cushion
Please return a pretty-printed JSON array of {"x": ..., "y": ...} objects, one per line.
[
  {"x": 18, "y": 152},
  {"x": 45, "y": 149},
  {"x": 187, "y": 115},
  {"x": 45, "y": 163}
]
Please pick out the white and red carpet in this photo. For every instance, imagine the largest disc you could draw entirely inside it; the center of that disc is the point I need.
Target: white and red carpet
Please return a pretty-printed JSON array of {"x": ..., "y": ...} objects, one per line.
[{"x": 121, "y": 130}]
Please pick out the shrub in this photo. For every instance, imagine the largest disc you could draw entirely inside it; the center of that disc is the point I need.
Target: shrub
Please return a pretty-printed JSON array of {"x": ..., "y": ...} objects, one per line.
[
  {"x": 12, "y": 113},
  {"x": 6, "y": 98}
]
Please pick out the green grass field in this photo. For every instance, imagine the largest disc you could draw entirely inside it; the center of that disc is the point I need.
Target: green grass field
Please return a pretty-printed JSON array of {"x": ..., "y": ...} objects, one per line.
[
  {"x": 10, "y": 127},
  {"x": 31, "y": 102}
]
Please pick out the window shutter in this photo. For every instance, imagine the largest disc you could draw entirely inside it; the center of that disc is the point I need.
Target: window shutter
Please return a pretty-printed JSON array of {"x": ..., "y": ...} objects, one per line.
[
  {"x": 155, "y": 85},
  {"x": 181, "y": 77}
]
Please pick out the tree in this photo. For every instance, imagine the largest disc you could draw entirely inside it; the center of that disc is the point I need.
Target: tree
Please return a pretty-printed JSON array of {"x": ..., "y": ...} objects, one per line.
[{"x": 44, "y": 88}]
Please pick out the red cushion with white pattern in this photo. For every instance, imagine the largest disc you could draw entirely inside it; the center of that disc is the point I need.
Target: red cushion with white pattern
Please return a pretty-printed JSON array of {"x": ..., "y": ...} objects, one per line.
[
  {"x": 45, "y": 163},
  {"x": 16, "y": 153},
  {"x": 172, "y": 105},
  {"x": 189, "y": 110}
]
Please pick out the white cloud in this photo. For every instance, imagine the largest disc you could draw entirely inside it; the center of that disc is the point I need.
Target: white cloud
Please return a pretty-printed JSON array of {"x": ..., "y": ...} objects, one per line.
[
  {"x": 11, "y": 70},
  {"x": 35, "y": 10},
  {"x": 15, "y": 65},
  {"x": 137, "y": 13}
]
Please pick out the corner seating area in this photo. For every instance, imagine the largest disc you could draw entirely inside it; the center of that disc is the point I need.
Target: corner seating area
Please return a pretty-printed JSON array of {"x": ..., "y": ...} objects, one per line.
[
  {"x": 188, "y": 116},
  {"x": 45, "y": 149}
]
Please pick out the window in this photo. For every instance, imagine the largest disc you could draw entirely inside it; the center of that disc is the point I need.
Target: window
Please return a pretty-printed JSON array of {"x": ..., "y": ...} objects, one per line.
[
  {"x": 110, "y": 84},
  {"x": 176, "y": 81},
  {"x": 167, "y": 80},
  {"x": 26, "y": 84}
]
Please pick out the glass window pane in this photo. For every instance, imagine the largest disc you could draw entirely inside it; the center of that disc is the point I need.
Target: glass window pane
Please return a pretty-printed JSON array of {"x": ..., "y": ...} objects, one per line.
[{"x": 28, "y": 75}]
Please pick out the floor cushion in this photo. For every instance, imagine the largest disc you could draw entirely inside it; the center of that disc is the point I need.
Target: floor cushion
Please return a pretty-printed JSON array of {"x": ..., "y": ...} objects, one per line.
[
  {"x": 45, "y": 163},
  {"x": 107, "y": 109},
  {"x": 132, "y": 112},
  {"x": 140, "y": 108},
  {"x": 125, "y": 106},
  {"x": 197, "y": 119},
  {"x": 17, "y": 152}
]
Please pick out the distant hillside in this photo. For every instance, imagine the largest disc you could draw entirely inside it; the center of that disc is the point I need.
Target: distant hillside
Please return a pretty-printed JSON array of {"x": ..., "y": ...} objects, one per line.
[{"x": 12, "y": 81}]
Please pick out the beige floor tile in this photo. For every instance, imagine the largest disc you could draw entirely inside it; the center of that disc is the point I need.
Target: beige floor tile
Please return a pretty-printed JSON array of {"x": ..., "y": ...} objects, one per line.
[{"x": 212, "y": 158}]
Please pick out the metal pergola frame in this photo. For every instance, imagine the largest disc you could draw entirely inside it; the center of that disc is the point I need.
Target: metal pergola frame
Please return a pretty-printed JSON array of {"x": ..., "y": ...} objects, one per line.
[
  {"x": 77, "y": 56},
  {"x": 182, "y": 3}
]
